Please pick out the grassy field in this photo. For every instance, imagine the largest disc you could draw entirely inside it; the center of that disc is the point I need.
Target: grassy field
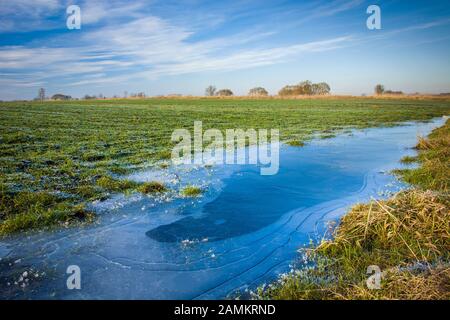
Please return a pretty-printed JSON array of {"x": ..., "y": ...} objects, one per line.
[
  {"x": 407, "y": 236},
  {"x": 56, "y": 156}
]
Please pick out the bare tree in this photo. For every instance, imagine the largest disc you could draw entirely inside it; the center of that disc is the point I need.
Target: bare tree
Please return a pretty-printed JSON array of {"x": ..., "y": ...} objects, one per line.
[
  {"x": 210, "y": 91},
  {"x": 258, "y": 91},
  {"x": 321, "y": 88},
  {"x": 290, "y": 91},
  {"x": 41, "y": 94},
  {"x": 324, "y": 88},
  {"x": 379, "y": 89},
  {"x": 224, "y": 93},
  {"x": 305, "y": 88}
]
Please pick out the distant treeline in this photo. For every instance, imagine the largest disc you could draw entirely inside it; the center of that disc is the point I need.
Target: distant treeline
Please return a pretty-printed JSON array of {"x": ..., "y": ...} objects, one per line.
[{"x": 303, "y": 88}]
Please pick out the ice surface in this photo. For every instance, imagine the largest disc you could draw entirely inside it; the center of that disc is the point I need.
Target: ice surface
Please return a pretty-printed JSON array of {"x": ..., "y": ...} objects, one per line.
[{"x": 243, "y": 231}]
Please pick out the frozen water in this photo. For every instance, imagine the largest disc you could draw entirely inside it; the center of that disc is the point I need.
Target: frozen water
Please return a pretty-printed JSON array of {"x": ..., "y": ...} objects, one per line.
[{"x": 243, "y": 231}]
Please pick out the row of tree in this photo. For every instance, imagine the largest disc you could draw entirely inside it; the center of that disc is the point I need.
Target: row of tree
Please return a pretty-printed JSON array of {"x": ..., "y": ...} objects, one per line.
[
  {"x": 42, "y": 96},
  {"x": 212, "y": 91},
  {"x": 303, "y": 88}
]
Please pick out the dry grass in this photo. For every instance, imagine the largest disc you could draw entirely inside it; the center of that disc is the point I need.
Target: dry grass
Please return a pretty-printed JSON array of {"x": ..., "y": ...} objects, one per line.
[
  {"x": 426, "y": 284},
  {"x": 434, "y": 157},
  {"x": 412, "y": 226},
  {"x": 407, "y": 236}
]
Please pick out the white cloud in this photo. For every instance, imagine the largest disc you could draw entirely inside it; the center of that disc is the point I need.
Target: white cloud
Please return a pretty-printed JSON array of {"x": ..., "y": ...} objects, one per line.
[
  {"x": 93, "y": 12},
  {"x": 25, "y": 15},
  {"x": 29, "y": 8},
  {"x": 147, "y": 47}
]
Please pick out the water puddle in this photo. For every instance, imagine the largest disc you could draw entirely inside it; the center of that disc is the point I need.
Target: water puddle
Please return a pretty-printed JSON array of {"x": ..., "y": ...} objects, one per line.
[{"x": 244, "y": 229}]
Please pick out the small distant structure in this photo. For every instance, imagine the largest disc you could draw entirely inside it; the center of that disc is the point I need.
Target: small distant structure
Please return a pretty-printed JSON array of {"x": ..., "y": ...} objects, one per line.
[
  {"x": 60, "y": 96},
  {"x": 393, "y": 92}
]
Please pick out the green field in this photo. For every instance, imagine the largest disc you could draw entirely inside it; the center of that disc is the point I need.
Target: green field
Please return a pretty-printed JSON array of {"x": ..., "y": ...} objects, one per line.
[{"x": 56, "y": 156}]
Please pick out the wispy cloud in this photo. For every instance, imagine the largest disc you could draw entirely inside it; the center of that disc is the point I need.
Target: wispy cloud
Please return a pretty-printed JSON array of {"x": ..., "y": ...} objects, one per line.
[
  {"x": 422, "y": 26},
  {"x": 334, "y": 7},
  {"x": 121, "y": 41},
  {"x": 149, "y": 47},
  {"x": 25, "y": 15},
  {"x": 244, "y": 59},
  {"x": 96, "y": 11}
]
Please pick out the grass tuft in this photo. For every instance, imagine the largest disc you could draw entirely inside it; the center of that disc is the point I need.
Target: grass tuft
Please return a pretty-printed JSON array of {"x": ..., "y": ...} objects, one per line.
[
  {"x": 295, "y": 143},
  {"x": 408, "y": 159},
  {"x": 152, "y": 187},
  {"x": 434, "y": 159},
  {"x": 191, "y": 191},
  {"x": 115, "y": 185}
]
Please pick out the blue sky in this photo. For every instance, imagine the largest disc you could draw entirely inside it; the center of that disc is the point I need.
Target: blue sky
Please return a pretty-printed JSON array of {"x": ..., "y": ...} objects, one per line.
[{"x": 164, "y": 47}]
